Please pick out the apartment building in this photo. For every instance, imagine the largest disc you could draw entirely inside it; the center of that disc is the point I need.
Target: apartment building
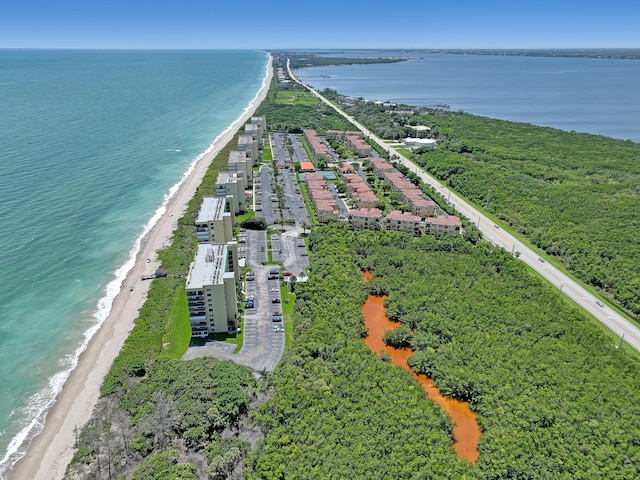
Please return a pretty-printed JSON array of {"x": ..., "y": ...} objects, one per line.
[
  {"x": 318, "y": 147},
  {"x": 214, "y": 223},
  {"x": 247, "y": 143},
  {"x": 365, "y": 219},
  {"x": 232, "y": 185},
  {"x": 443, "y": 225},
  {"x": 211, "y": 289},
  {"x": 404, "y": 222},
  {"x": 241, "y": 162}
]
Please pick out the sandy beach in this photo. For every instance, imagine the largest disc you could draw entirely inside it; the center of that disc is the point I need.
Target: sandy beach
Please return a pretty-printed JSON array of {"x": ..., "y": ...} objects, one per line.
[{"x": 50, "y": 452}]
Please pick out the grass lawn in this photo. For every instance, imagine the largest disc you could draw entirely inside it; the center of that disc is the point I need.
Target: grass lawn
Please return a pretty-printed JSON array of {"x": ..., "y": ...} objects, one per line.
[
  {"x": 245, "y": 216},
  {"x": 296, "y": 97},
  {"x": 267, "y": 155},
  {"x": 178, "y": 333}
]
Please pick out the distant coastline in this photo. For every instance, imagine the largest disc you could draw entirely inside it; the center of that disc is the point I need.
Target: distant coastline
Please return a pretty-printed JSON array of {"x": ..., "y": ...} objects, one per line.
[
  {"x": 313, "y": 58},
  {"x": 589, "y": 95}
]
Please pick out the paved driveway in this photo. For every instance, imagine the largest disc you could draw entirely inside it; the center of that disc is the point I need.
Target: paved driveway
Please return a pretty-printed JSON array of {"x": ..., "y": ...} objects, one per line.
[{"x": 262, "y": 346}]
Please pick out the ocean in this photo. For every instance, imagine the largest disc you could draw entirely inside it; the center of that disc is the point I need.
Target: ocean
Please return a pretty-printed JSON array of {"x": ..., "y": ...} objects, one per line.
[
  {"x": 91, "y": 144},
  {"x": 599, "y": 96}
]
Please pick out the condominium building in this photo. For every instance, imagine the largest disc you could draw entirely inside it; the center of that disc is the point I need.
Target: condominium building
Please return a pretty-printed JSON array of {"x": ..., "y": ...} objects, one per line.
[
  {"x": 443, "y": 225},
  {"x": 365, "y": 219},
  {"x": 211, "y": 289},
  {"x": 360, "y": 191},
  {"x": 214, "y": 222},
  {"x": 404, "y": 222},
  {"x": 322, "y": 199},
  {"x": 241, "y": 162},
  {"x": 318, "y": 147},
  {"x": 261, "y": 123},
  {"x": 232, "y": 185},
  {"x": 254, "y": 130},
  {"x": 355, "y": 142},
  {"x": 247, "y": 143}
]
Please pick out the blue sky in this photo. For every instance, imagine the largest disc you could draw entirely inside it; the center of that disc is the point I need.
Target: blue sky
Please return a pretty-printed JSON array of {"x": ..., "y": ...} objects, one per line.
[{"x": 308, "y": 24}]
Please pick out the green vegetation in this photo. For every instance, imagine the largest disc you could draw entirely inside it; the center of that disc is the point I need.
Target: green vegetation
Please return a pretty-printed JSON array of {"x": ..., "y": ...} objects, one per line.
[
  {"x": 573, "y": 195},
  {"x": 147, "y": 382},
  {"x": 267, "y": 155},
  {"x": 294, "y": 117},
  {"x": 553, "y": 396},
  {"x": 255, "y": 223},
  {"x": 179, "y": 408},
  {"x": 299, "y": 59},
  {"x": 178, "y": 333},
  {"x": 296, "y": 97}
]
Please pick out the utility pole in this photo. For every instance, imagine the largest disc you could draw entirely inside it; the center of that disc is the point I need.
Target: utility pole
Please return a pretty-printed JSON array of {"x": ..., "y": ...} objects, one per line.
[{"x": 621, "y": 339}]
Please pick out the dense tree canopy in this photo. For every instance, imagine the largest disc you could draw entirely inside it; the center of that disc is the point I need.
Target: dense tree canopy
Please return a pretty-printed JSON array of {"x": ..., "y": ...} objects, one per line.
[
  {"x": 575, "y": 195},
  {"x": 554, "y": 396}
]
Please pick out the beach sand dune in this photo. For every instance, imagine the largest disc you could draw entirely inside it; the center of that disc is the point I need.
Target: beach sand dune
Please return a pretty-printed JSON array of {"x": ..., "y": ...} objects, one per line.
[{"x": 50, "y": 452}]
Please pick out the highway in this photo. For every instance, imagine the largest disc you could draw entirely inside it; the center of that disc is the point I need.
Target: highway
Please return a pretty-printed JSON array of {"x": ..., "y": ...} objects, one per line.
[{"x": 499, "y": 237}]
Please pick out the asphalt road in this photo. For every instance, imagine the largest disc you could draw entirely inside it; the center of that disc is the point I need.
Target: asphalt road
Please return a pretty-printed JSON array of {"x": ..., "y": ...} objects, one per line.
[{"x": 610, "y": 318}]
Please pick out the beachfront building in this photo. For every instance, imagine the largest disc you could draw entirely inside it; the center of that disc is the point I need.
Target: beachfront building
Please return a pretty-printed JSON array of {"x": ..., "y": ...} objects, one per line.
[
  {"x": 317, "y": 146},
  {"x": 247, "y": 143},
  {"x": 241, "y": 162},
  {"x": 261, "y": 124},
  {"x": 232, "y": 185},
  {"x": 214, "y": 222},
  {"x": 254, "y": 131},
  {"x": 365, "y": 219},
  {"x": 443, "y": 225},
  {"x": 404, "y": 222},
  {"x": 211, "y": 289}
]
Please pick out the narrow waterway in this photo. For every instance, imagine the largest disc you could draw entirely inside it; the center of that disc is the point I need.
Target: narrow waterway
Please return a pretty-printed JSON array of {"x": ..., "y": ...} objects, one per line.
[{"x": 466, "y": 432}]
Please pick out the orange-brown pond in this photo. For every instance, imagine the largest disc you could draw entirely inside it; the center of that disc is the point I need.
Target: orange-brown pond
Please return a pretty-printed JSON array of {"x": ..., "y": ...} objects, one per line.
[{"x": 466, "y": 432}]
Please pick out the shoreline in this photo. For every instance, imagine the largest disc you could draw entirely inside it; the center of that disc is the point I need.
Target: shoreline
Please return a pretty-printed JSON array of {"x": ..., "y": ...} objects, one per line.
[{"x": 49, "y": 452}]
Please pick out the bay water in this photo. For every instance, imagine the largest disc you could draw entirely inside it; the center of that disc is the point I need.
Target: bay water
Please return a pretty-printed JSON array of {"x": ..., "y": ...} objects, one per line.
[
  {"x": 91, "y": 144},
  {"x": 591, "y": 95}
]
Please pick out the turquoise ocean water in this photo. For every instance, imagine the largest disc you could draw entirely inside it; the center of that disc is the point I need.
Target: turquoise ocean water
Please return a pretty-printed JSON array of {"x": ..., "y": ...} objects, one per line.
[
  {"x": 599, "y": 96},
  {"x": 91, "y": 144}
]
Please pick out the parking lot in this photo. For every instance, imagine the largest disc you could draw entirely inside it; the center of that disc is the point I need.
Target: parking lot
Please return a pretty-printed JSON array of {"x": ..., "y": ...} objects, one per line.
[{"x": 263, "y": 326}]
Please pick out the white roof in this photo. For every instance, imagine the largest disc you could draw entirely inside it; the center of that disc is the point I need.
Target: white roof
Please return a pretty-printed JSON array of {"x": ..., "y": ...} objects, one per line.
[{"x": 208, "y": 266}]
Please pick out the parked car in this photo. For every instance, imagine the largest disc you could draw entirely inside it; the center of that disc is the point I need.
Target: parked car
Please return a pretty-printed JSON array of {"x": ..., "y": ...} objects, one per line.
[
  {"x": 276, "y": 319},
  {"x": 288, "y": 274},
  {"x": 249, "y": 304},
  {"x": 275, "y": 300},
  {"x": 277, "y": 313}
]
